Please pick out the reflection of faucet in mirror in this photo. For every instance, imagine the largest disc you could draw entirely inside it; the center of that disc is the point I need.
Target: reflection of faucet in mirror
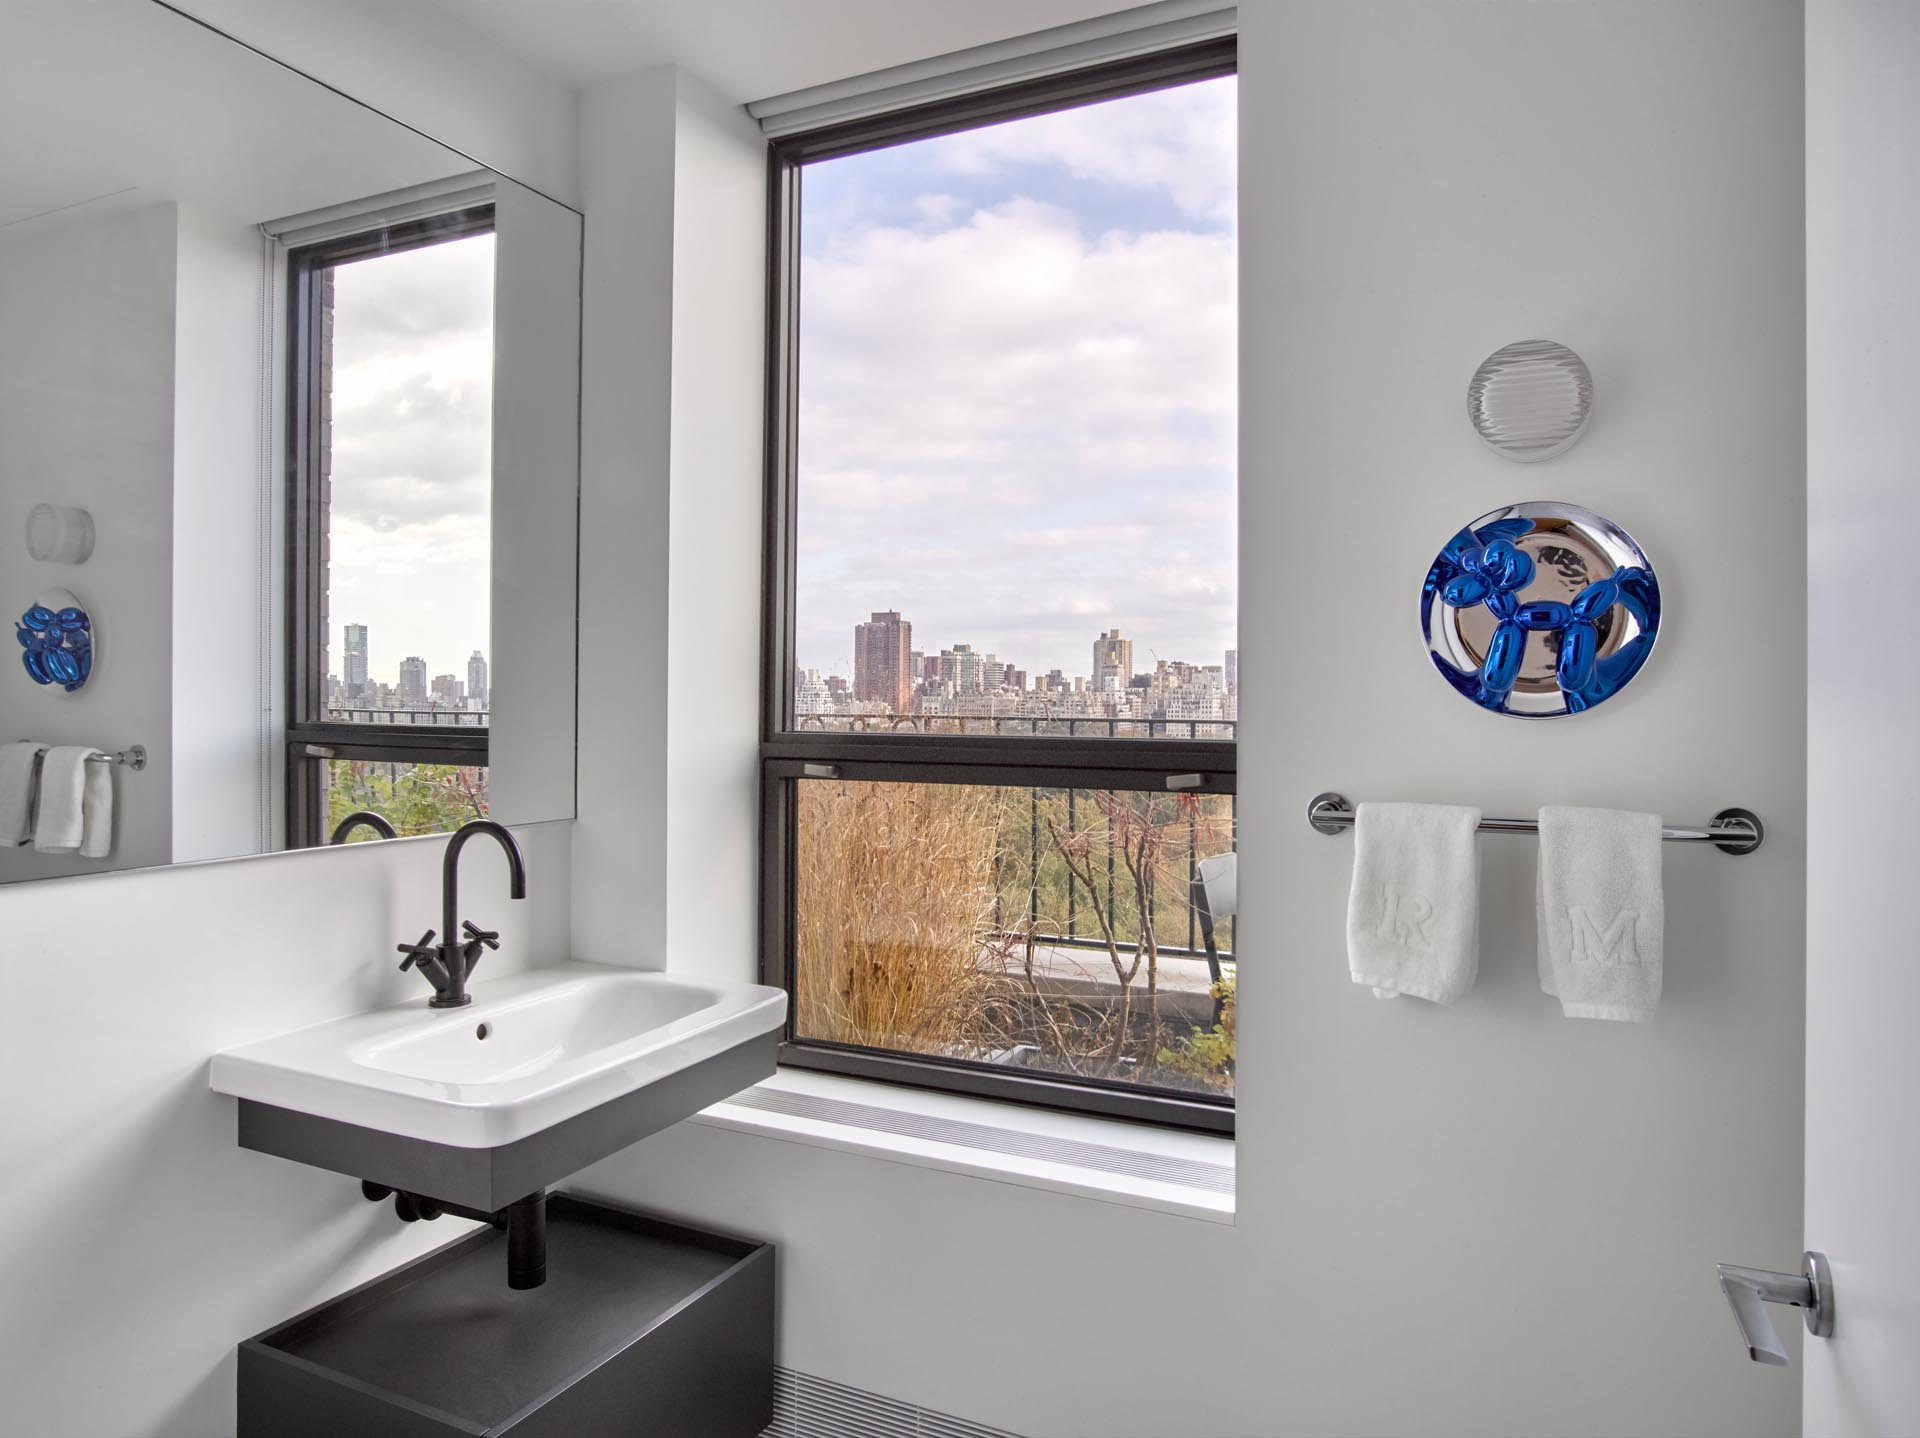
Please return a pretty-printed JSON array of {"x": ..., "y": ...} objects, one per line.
[
  {"x": 362, "y": 819},
  {"x": 448, "y": 964}
]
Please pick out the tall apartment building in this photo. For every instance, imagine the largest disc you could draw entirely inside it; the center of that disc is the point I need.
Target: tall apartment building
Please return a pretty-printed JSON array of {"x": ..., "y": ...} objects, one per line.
[
  {"x": 1112, "y": 661},
  {"x": 413, "y": 680},
  {"x": 963, "y": 669},
  {"x": 448, "y": 691},
  {"x": 1233, "y": 669},
  {"x": 354, "y": 664},
  {"x": 477, "y": 690},
  {"x": 882, "y": 667}
]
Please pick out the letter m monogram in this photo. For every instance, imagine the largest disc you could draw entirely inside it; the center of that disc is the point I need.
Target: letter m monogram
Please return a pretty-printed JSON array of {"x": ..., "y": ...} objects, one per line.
[{"x": 1617, "y": 944}]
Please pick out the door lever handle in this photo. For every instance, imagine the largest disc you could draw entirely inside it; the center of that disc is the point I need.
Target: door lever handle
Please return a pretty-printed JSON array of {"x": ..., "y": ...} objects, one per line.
[{"x": 1750, "y": 1290}]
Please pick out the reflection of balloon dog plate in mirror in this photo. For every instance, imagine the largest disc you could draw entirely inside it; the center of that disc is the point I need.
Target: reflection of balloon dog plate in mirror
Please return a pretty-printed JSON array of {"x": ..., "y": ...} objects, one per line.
[
  {"x": 1540, "y": 609},
  {"x": 56, "y": 641}
]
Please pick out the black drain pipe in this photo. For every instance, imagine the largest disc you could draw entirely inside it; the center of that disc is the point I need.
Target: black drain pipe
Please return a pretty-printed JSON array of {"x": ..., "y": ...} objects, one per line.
[
  {"x": 525, "y": 1221},
  {"x": 527, "y": 1241}
]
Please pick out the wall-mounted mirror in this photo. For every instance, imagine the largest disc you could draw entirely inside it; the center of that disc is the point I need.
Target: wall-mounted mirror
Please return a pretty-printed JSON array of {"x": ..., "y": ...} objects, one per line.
[{"x": 289, "y": 419}]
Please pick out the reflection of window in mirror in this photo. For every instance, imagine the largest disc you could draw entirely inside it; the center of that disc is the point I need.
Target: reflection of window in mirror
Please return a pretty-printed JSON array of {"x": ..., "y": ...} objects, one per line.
[{"x": 389, "y": 527}]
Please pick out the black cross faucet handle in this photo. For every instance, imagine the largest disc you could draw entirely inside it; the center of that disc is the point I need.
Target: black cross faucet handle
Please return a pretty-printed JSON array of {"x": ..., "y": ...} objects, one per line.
[
  {"x": 416, "y": 953},
  {"x": 489, "y": 937}
]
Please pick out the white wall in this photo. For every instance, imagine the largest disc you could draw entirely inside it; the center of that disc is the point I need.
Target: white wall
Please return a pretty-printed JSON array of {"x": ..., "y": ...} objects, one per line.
[
  {"x": 1487, "y": 1220},
  {"x": 673, "y": 397},
  {"x": 536, "y": 506},
  {"x": 620, "y": 841},
  {"x": 141, "y": 1243},
  {"x": 717, "y": 462},
  {"x": 416, "y": 62},
  {"x": 216, "y": 594},
  {"x": 1863, "y": 369},
  {"x": 1422, "y": 184},
  {"x": 86, "y": 418}
]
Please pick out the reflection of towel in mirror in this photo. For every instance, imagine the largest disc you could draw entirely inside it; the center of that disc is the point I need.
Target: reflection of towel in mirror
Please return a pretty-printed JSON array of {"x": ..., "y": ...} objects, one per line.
[
  {"x": 19, "y": 768},
  {"x": 76, "y": 804}
]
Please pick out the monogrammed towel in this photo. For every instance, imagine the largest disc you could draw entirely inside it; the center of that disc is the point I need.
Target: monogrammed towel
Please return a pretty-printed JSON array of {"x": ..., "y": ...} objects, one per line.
[
  {"x": 1413, "y": 919},
  {"x": 1600, "y": 912}
]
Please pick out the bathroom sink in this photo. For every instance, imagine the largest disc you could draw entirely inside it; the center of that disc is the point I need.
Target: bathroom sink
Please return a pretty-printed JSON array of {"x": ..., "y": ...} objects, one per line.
[{"x": 533, "y": 1051}]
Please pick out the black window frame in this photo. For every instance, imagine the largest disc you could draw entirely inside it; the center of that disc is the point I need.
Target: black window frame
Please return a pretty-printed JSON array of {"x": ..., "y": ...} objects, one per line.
[
  {"x": 790, "y": 756},
  {"x": 311, "y": 738}
]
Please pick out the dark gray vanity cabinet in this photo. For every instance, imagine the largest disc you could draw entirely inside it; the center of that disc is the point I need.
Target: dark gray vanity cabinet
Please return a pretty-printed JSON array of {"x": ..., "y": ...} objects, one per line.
[{"x": 644, "y": 1329}]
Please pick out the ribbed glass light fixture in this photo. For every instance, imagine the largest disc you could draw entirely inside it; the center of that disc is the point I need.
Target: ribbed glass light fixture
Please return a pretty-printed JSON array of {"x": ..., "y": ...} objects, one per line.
[{"x": 1530, "y": 400}]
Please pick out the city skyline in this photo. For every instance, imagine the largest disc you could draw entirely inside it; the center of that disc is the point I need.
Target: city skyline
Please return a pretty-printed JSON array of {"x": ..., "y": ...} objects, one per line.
[
  {"x": 958, "y": 684},
  {"x": 1112, "y": 655},
  {"x": 416, "y": 681}
]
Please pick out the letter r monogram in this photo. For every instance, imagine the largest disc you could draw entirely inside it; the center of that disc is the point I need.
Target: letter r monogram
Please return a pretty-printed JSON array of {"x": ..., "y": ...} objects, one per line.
[{"x": 1404, "y": 916}]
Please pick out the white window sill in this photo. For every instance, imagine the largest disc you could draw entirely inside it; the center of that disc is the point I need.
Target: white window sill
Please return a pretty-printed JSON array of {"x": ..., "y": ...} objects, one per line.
[{"x": 1089, "y": 1149}]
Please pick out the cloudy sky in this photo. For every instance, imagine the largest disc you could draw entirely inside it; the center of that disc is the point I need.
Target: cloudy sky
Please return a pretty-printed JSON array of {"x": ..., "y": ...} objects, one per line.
[
  {"x": 412, "y": 455},
  {"x": 1017, "y": 386}
]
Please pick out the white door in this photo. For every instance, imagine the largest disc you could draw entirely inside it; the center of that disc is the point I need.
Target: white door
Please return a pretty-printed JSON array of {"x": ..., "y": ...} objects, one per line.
[{"x": 1863, "y": 713}]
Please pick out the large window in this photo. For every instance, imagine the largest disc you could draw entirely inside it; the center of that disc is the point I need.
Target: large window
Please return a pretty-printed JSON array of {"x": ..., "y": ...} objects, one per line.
[
  {"x": 389, "y": 527},
  {"x": 1002, "y": 690}
]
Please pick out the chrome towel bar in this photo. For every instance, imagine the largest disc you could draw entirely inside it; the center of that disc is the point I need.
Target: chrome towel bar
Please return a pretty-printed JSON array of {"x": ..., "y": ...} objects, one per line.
[
  {"x": 1732, "y": 831},
  {"x": 134, "y": 758}
]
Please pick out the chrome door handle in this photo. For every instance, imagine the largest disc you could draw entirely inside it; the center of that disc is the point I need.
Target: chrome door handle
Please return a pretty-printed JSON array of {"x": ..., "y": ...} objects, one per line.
[{"x": 1750, "y": 1290}]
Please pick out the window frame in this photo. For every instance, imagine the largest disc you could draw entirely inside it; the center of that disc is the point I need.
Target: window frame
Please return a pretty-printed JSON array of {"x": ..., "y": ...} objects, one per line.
[
  {"x": 789, "y": 754},
  {"x": 312, "y": 738}
]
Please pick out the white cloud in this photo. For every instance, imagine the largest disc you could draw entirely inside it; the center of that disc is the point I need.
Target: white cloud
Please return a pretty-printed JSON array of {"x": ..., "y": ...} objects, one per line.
[
  {"x": 1179, "y": 141},
  {"x": 1011, "y": 428},
  {"x": 412, "y": 454}
]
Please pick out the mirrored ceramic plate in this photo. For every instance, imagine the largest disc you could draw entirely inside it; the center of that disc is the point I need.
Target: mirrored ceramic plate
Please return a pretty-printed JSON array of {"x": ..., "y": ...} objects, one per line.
[{"x": 1540, "y": 609}]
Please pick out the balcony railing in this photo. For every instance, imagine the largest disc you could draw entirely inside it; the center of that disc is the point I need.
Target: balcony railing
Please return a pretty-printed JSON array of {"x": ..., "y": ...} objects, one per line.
[
  {"x": 1024, "y": 724},
  {"x": 1007, "y": 872},
  {"x": 360, "y": 714}
]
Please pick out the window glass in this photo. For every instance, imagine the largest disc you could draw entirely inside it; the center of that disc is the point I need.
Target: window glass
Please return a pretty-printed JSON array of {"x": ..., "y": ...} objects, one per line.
[
  {"x": 406, "y": 466},
  {"x": 1015, "y": 448},
  {"x": 1046, "y": 931},
  {"x": 413, "y": 798}
]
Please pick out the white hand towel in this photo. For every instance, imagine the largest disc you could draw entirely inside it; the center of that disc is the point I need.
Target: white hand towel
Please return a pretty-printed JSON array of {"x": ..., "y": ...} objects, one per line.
[
  {"x": 1601, "y": 913},
  {"x": 76, "y": 804},
  {"x": 1413, "y": 920},
  {"x": 19, "y": 773}
]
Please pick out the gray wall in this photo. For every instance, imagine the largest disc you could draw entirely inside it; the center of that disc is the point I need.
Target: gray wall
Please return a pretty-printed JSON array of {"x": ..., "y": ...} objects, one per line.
[
  {"x": 87, "y": 418},
  {"x": 1484, "y": 1220}
]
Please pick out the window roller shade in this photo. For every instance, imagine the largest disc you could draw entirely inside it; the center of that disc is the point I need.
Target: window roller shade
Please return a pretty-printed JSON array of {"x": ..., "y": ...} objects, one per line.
[
  {"x": 396, "y": 207},
  {"x": 1064, "y": 48}
]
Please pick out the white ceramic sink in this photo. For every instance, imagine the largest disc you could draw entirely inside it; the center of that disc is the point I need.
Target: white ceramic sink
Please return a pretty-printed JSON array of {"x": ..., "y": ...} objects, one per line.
[{"x": 530, "y": 1051}]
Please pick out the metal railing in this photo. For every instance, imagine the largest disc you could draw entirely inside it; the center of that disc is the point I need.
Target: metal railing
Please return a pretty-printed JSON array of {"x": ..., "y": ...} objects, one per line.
[
  {"x": 454, "y": 718},
  {"x": 1070, "y": 728},
  {"x": 1072, "y": 937}
]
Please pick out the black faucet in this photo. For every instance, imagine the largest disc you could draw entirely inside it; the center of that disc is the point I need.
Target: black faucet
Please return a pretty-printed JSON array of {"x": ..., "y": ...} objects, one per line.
[
  {"x": 449, "y": 964},
  {"x": 362, "y": 819}
]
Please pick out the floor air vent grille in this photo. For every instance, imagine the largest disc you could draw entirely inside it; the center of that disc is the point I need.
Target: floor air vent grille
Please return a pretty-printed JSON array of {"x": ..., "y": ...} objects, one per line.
[
  {"x": 1156, "y": 1168},
  {"x": 809, "y": 1407}
]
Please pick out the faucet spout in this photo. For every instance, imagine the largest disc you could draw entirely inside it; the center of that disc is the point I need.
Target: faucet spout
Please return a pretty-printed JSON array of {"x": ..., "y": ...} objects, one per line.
[{"x": 459, "y": 958}]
